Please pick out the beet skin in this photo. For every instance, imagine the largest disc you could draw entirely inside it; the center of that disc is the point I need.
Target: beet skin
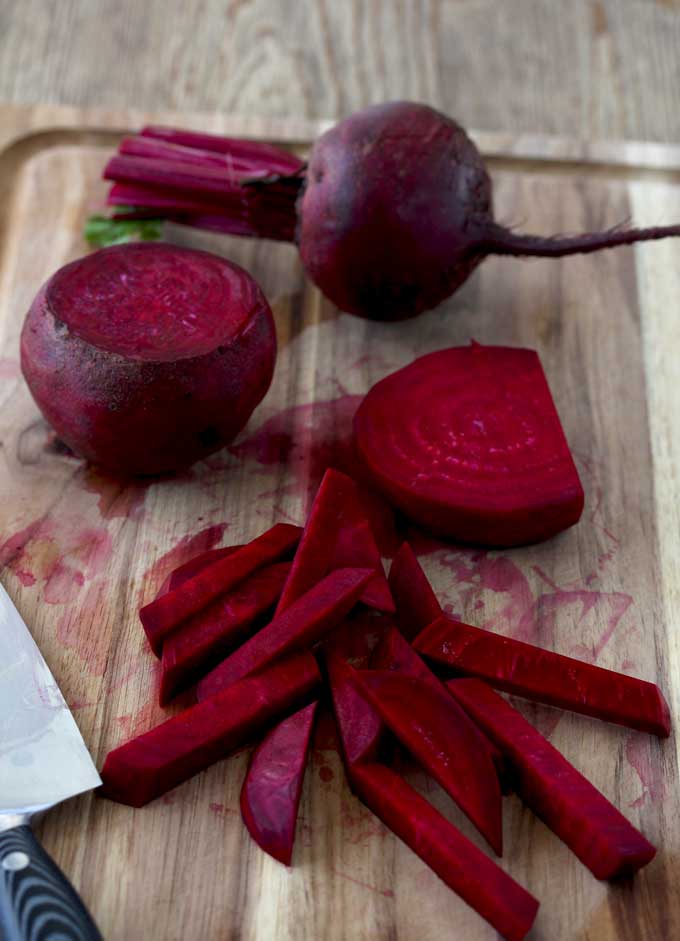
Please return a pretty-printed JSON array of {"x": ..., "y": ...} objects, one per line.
[{"x": 147, "y": 357}]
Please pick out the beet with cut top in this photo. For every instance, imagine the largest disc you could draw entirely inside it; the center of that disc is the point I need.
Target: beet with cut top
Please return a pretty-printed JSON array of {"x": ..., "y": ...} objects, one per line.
[
  {"x": 167, "y": 612},
  {"x": 147, "y": 357},
  {"x": 155, "y": 762},
  {"x": 569, "y": 804},
  {"x": 544, "y": 676},
  {"x": 467, "y": 442},
  {"x": 300, "y": 626},
  {"x": 271, "y": 791},
  {"x": 392, "y": 214}
]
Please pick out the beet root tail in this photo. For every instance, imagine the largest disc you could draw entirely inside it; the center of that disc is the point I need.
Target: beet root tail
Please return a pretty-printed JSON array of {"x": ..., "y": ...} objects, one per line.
[{"x": 501, "y": 241}]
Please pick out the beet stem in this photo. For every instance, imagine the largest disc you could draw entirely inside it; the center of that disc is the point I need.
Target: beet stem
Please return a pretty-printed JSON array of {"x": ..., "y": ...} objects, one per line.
[{"x": 501, "y": 241}]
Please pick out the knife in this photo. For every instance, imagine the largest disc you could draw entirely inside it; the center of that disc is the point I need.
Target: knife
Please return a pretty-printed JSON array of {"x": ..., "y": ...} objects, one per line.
[{"x": 43, "y": 761}]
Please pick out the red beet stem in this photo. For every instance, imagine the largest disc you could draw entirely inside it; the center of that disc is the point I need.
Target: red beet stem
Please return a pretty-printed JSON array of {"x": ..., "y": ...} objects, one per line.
[
  {"x": 271, "y": 791},
  {"x": 277, "y": 160},
  {"x": 567, "y": 802},
  {"x": 498, "y": 240}
]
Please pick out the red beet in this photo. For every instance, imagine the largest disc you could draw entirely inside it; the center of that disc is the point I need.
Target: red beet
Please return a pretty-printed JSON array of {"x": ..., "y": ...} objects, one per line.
[
  {"x": 461, "y": 865},
  {"x": 337, "y": 535},
  {"x": 147, "y": 357},
  {"x": 164, "y": 614},
  {"x": 395, "y": 653},
  {"x": 203, "y": 640},
  {"x": 188, "y": 569},
  {"x": 416, "y": 602},
  {"x": 544, "y": 676},
  {"x": 271, "y": 791},
  {"x": 300, "y": 626},
  {"x": 467, "y": 442},
  {"x": 570, "y": 805},
  {"x": 393, "y": 213},
  {"x": 153, "y": 763},
  {"x": 441, "y": 737}
]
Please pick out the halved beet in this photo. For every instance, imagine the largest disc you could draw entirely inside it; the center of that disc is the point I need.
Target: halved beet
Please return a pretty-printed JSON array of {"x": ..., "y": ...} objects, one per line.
[
  {"x": 167, "y": 612},
  {"x": 394, "y": 652},
  {"x": 300, "y": 626},
  {"x": 271, "y": 791},
  {"x": 456, "y": 860},
  {"x": 205, "y": 639},
  {"x": 467, "y": 442},
  {"x": 147, "y": 357},
  {"x": 567, "y": 802},
  {"x": 441, "y": 737},
  {"x": 337, "y": 535},
  {"x": 416, "y": 602},
  {"x": 155, "y": 762},
  {"x": 545, "y": 676}
]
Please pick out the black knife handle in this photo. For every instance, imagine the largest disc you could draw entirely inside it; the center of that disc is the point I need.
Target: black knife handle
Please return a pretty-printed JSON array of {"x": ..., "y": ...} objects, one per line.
[{"x": 37, "y": 902}]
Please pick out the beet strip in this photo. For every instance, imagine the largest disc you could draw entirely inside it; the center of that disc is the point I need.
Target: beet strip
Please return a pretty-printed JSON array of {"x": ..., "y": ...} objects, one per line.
[
  {"x": 155, "y": 762},
  {"x": 444, "y": 741},
  {"x": 395, "y": 653},
  {"x": 454, "y": 858},
  {"x": 164, "y": 614},
  {"x": 544, "y": 676},
  {"x": 416, "y": 602},
  {"x": 195, "y": 565},
  {"x": 210, "y": 635},
  {"x": 304, "y": 623},
  {"x": 271, "y": 791},
  {"x": 568, "y": 803},
  {"x": 337, "y": 534}
]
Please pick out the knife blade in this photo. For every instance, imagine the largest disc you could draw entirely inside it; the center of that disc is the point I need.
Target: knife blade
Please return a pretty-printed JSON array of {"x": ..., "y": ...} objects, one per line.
[{"x": 43, "y": 761}]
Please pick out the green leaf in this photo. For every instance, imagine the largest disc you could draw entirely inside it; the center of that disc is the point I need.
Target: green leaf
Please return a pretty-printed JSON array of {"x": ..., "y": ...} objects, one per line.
[{"x": 101, "y": 231}]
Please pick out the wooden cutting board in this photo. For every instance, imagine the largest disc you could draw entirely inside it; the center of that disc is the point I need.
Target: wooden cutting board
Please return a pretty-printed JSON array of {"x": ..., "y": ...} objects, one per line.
[{"x": 81, "y": 551}]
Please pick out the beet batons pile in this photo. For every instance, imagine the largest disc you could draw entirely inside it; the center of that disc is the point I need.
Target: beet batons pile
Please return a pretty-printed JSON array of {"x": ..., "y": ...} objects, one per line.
[{"x": 264, "y": 630}]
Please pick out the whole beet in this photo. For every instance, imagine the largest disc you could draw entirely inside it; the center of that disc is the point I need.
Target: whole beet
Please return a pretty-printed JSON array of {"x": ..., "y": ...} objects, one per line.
[{"x": 397, "y": 212}]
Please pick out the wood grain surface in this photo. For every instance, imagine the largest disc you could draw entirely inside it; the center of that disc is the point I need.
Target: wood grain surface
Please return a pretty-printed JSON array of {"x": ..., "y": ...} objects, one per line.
[
  {"x": 586, "y": 68},
  {"x": 81, "y": 551}
]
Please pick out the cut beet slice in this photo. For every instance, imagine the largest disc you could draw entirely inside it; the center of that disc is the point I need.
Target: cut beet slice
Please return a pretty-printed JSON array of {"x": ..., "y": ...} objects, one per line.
[
  {"x": 462, "y": 866},
  {"x": 205, "y": 639},
  {"x": 361, "y": 728},
  {"x": 153, "y": 763},
  {"x": 395, "y": 653},
  {"x": 416, "y": 602},
  {"x": 167, "y": 612},
  {"x": 441, "y": 737},
  {"x": 271, "y": 791},
  {"x": 199, "y": 562},
  {"x": 304, "y": 623},
  {"x": 468, "y": 443},
  {"x": 337, "y": 535},
  {"x": 456, "y": 860},
  {"x": 544, "y": 676},
  {"x": 567, "y": 802}
]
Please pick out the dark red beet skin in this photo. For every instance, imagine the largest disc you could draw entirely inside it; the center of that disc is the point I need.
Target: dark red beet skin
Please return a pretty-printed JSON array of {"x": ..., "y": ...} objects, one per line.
[
  {"x": 569, "y": 804},
  {"x": 147, "y": 357},
  {"x": 467, "y": 442}
]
